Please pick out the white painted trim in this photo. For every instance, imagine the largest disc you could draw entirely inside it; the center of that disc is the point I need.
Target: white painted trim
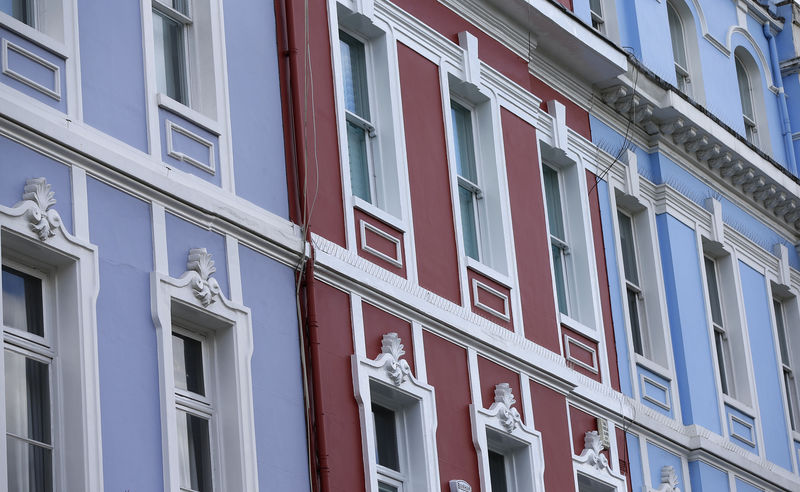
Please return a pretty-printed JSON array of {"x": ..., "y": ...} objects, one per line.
[
  {"x": 731, "y": 429},
  {"x": 187, "y": 113},
  {"x": 644, "y": 380},
  {"x": 234, "y": 269},
  {"x": 169, "y": 127},
  {"x": 160, "y": 249},
  {"x": 75, "y": 266},
  {"x": 397, "y": 260},
  {"x": 568, "y": 356},
  {"x": 476, "y": 286},
  {"x": 55, "y": 93},
  {"x": 230, "y": 325},
  {"x": 80, "y": 203}
]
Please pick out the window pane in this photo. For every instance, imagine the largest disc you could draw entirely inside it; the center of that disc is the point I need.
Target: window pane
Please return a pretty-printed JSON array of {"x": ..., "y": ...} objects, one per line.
[
  {"x": 181, "y": 6},
  {"x": 723, "y": 369},
  {"x": 354, "y": 68},
  {"x": 596, "y": 7},
  {"x": 27, "y": 398},
  {"x": 745, "y": 91},
  {"x": 469, "y": 228},
  {"x": 497, "y": 472},
  {"x": 187, "y": 360},
  {"x": 195, "y": 452},
  {"x": 791, "y": 396},
  {"x": 636, "y": 328},
  {"x": 713, "y": 291},
  {"x": 386, "y": 437},
  {"x": 559, "y": 274},
  {"x": 22, "y": 301},
  {"x": 463, "y": 142},
  {"x": 170, "y": 59},
  {"x": 359, "y": 167},
  {"x": 552, "y": 191},
  {"x": 385, "y": 487},
  {"x": 676, "y": 33},
  {"x": 782, "y": 339},
  {"x": 30, "y": 467},
  {"x": 628, "y": 249},
  {"x": 22, "y": 10}
]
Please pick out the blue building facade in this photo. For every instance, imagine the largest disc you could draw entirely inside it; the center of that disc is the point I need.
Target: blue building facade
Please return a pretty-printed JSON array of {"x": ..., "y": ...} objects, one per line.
[
  {"x": 150, "y": 328},
  {"x": 699, "y": 144}
]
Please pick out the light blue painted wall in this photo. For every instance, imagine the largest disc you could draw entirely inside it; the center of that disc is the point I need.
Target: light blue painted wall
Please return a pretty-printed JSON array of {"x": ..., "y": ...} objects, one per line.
[
  {"x": 183, "y": 236},
  {"x": 614, "y": 286},
  {"x": 645, "y": 380},
  {"x": 255, "y": 105},
  {"x": 277, "y": 383},
  {"x": 35, "y": 71},
  {"x": 126, "y": 341},
  {"x": 18, "y": 163},
  {"x": 687, "y": 318},
  {"x": 742, "y": 486},
  {"x": 658, "y": 168},
  {"x": 635, "y": 465},
  {"x": 112, "y": 69},
  {"x": 706, "y": 478},
  {"x": 767, "y": 376},
  {"x": 658, "y": 458}
]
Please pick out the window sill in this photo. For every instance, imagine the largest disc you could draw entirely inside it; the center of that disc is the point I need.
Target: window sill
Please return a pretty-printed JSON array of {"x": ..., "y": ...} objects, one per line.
[
  {"x": 189, "y": 114},
  {"x": 653, "y": 367},
  {"x": 579, "y": 327},
  {"x": 37, "y": 37},
  {"x": 796, "y": 435},
  {"x": 379, "y": 214},
  {"x": 489, "y": 272},
  {"x": 737, "y": 405}
]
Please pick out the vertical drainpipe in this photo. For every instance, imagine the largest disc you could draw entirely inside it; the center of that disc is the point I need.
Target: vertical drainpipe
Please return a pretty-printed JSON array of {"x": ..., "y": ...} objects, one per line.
[{"x": 776, "y": 76}]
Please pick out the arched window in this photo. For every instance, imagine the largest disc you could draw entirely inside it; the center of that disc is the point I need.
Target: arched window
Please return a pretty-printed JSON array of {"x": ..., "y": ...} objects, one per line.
[
  {"x": 746, "y": 96},
  {"x": 677, "y": 35}
]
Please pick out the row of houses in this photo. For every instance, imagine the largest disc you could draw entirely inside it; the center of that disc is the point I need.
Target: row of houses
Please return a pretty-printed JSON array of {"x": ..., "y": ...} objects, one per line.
[{"x": 400, "y": 245}]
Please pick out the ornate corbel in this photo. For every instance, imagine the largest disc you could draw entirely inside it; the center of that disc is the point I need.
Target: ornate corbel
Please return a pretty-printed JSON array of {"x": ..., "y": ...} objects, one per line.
[
  {"x": 38, "y": 199},
  {"x": 503, "y": 407},
  {"x": 592, "y": 452},
  {"x": 201, "y": 267},
  {"x": 397, "y": 369},
  {"x": 669, "y": 480}
]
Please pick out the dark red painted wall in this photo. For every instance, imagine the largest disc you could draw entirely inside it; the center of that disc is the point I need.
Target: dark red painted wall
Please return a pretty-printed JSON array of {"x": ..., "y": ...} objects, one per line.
[
  {"x": 377, "y": 323},
  {"x": 602, "y": 276},
  {"x": 339, "y": 407},
  {"x": 491, "y": 51},
  {"x": 428, "y": 174},
  {"x": 530, "y": 231},
  {"x": 624, "y": 463},
  {"x": 448, "y": 373},
  {"x": 491, "y": 374},
  {"x": 550, "y": 416}
]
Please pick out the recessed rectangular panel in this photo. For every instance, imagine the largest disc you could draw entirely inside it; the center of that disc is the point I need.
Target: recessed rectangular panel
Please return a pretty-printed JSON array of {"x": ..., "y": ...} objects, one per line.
[
  {"x": 30, "y": 69},
  {"x": 187, "y": 146},
  {"x": 581, "y": 354},
  {"x": 654, "y": 391},
  {"x": 741, "y": 428},
  {"x": 490, "y": 300},
  {"x": 381, "y": 244}
]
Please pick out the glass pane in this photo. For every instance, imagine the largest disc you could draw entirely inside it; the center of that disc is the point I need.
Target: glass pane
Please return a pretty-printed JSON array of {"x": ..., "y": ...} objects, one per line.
[
  {"x": 790, "y": 398},
  {"x": 187, "y": 360},
  {"x": 386, "y": 437},
  {"x": 170, "y": 59},
  {"x": 195, "y": 452},
  {"x": 463, "y": 142},
  {"x": 745, "y": 91},
  {"x": 30, "y": 467},
  {"x": 636, "y": 328},
  {"x": 782, "y": 339},
  {"x": 628, "y": 249},
  {"x": 27, "y": 398},
  {"x": 676, "y": 33},
  {"x": 22, "y": 10},
  {"x": 469, "y": 228},
  {"x": 22, "y": 301},
  {"x": 385, "y": 487},
  {"x": 723, "y": 369},
  {"x": 559, "y": 274},
  {"x": 552, "y": 192},
  {"x": 359, "y": 167},
  {"x": 354, "y": 71},
  {"x": 497, "y": 472},
  {"x": 713, "y": 291},
  {"x": 181, "y": 6},
  {"x": 596, "y": 6}
]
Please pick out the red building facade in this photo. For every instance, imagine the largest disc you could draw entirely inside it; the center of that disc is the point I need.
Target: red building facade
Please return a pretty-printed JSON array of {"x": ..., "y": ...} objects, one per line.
[{"x": 456, "y": 301}]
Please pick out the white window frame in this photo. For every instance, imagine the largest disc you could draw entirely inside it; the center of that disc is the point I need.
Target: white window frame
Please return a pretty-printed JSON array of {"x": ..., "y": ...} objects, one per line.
[
  {"x": 735, "y": 348},
  {"x": 583, "y": 291},
  {"x": 593, "y": 465},
  {"x": 229, "y": 324},
  {"x": 185, "y": 21},
  {"x": 47, "y": 21},
  {"x": 598, "y": 18},
  {"x": 693, "y": 71},
  {"x": 389, "y": 377},
  {"x": 756, "y": 130},
  {"x": 385, "y": 141},
  {"x": 500, "y": 429},
  {"x": 69, "y": 268},
  {"x": 790, "y": 311}
]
